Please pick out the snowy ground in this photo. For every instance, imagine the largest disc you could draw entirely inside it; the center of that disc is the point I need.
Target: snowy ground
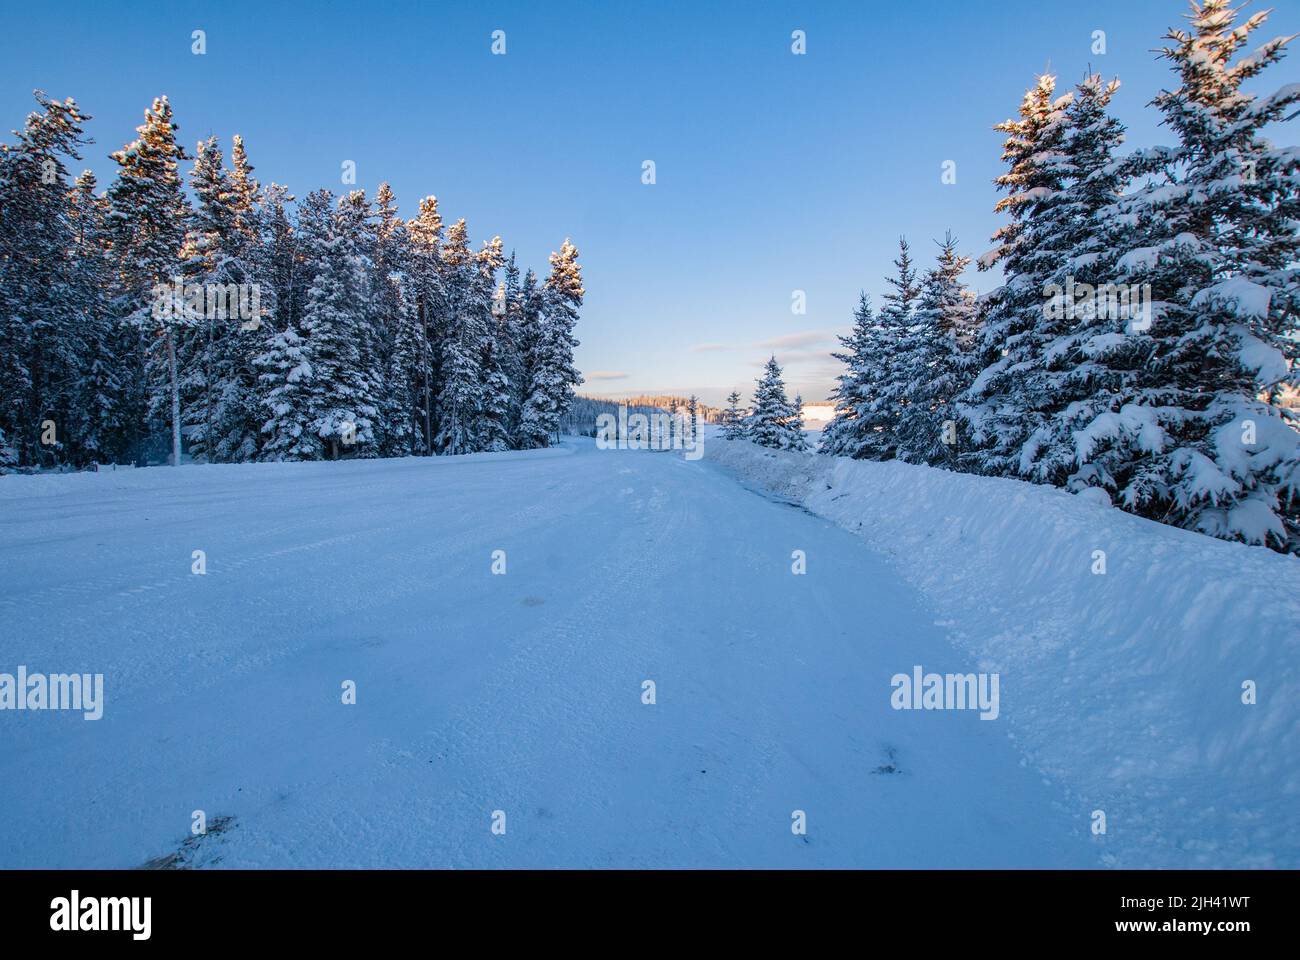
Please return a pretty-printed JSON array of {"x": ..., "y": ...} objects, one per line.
[
  {"x": 520, "y": 693},
  {"x": 1153, "y": 671}
]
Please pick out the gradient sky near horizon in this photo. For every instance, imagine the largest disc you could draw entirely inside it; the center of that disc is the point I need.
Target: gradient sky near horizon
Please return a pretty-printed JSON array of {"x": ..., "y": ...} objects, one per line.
[{"x": 775, "y": 172}]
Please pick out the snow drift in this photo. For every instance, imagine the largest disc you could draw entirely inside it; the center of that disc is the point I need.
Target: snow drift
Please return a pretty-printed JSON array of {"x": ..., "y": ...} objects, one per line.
[{"x": 1126, "y": 685}]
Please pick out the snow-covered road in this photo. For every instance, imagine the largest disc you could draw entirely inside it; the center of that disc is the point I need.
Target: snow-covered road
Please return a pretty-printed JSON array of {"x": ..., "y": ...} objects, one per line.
[{"x": 479, "y": 692}]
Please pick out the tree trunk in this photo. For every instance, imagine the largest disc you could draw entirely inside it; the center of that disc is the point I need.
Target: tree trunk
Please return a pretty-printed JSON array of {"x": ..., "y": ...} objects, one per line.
[
  {"x": 428, "y": 431},
  {"x": 176, "y": 400}
]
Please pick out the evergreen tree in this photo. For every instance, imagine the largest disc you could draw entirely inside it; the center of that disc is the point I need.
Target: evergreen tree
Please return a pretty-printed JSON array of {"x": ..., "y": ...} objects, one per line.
[
  {"x": 319, "y": 383},
  {"x": 401, "y": 349},
  {"x": 339, "y": 324},
  {"x": 931, "y": 361},
  {"x": 354, "y": 222},
  {"x": 1062, "y": 370},
  {"x": 874, "y": 435},
  {"x": 285, "y": 381},
  {"x": 461, "y": 400},
  {"x": 692, "y": 415},
  {"x": 853, "y": 392},
  {"x": 97, "y": 416},
  {"x": 146, "y": 226},
  {"x": 408, "y": 370},
  {"x": 493, "y": 427},
  {"x": 201, "y": 259},
  {"x": 218, "y": 348},
  {"x": 252, "y": 257},
  {"x": 245, "y": 201},
  {"x": 997, "y": 409},
  {"x": 531, "y": 431},
  {"x": 796, "y": 421},
  {"x": 287, "y": 377},
  {"x": 1183, "y": 427},
  {"x": 277, "y": 257},
  {"x": 553, "y": 375},
  {"x": 509, "y": 338},
  {"x": 41, "y": 350},
  {"x": 733, "y": 425},
  {"x": 429, "y": 291},
  {"x": 774, "y": 422}
]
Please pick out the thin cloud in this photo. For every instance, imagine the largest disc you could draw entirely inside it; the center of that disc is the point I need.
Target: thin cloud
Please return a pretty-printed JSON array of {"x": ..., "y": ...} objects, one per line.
[
  {"x": 805, "y": 338},
  {"x": 797, "y": 357},
  {"x": 606, "y": 375}
]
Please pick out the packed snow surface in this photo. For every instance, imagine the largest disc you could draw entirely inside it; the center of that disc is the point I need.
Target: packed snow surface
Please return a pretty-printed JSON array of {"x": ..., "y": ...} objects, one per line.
[
  {"x": 1127, "y": 649},
  {"x": 517, "y": 698}
]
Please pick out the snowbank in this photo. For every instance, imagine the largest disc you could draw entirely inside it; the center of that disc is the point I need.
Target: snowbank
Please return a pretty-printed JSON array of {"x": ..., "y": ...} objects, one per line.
[{"x": 1127, "y": 685}]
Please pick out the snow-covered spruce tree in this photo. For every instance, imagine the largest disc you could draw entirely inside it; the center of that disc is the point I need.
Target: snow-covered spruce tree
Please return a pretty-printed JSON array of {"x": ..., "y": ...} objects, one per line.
[
  {"x": 692, "y": 412},
  {"x": 355, "y": 222},
  {"x": 529, "y": 432},
  {"x": 853, "y": 390},
  {"x": 492, "y": 426},
  {"x": 98, "y": 423},
  {"x": 733, "y": 425},
  {"x": 257, "y": 223},
  {"x": 406, "y": 352},
  {"x": 796, "y": 421},
  {"x": 426, "y": 269},
  {"x": 1190, "y": 436},
  {"x": 553, "y": 375},
  {"x": 41, "y": 351},
  {"x": 217, "y": 351},
  {"x": 931, "y": 362},
  {"x": 460, "y": 402},
  {"x": 402, "y": 350},
  {"x": 561, "y": 299},
  {"x": 286, "y": 375},
  {"x": 407, "y": 372},
  {"x": 884, "y": 376},
  {"x": 774, "y": 421},
  {"x": 277, "y": 256},
  {"x": 1071, "y": 336},
  {"x": 245, "y": 198},
  {"x": 146, "y": 225},
  {"x": 338, "y": 325},
  {"x": 201, "y": 259},
  {"x": 997, "y": 410},
  {"x": 319, "y": 384},
  {"x": 74, "y": 340},
  {"x": 509, "y": 336}
]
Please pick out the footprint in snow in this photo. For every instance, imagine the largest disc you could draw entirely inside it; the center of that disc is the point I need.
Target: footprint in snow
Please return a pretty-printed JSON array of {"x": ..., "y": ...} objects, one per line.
[{"x": 891, "y": 762}]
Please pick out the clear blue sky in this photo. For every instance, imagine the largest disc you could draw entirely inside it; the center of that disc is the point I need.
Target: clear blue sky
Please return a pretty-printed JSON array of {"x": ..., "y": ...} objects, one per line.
[{"x": 775, "y": 172}]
